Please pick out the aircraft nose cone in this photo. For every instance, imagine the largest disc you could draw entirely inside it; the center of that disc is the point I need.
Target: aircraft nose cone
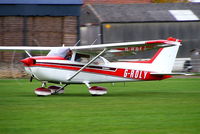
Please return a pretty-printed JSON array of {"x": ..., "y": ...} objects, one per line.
[{"x": 28, "y": 61}]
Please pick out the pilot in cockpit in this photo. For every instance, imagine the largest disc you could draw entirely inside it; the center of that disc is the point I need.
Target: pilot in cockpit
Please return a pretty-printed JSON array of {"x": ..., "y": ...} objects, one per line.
[{"x": 68, "y": 55}]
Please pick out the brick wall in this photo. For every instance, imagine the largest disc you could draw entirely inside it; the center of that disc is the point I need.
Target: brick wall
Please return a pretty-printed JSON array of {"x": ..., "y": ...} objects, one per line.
[
  {"x": 115, "y": 1},
  {"x": 52, "y": 31},
  {"x": 34, "y": 31},
  {"x": 70, "y": 30},
  {"x": 11, "y": 33}
]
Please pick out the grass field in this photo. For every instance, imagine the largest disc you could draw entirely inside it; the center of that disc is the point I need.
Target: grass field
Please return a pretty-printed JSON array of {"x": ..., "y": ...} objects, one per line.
[{"x": 162, "y": 107}]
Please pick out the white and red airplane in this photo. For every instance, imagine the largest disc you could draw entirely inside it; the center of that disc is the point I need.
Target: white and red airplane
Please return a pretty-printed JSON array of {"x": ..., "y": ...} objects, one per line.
[{"x": 85, "y": 64}]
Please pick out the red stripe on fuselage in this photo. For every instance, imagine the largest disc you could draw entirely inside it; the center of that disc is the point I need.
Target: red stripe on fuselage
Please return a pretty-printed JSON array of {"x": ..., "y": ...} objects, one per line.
[{"x": 49, "y": 58}]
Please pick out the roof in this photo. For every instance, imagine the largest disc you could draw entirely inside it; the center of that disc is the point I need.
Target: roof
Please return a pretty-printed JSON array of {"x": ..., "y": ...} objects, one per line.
[
  {"x": 40, "y": 7},
  {"x": 41, "y": 2},
  {"x": 135, "y": 12}
]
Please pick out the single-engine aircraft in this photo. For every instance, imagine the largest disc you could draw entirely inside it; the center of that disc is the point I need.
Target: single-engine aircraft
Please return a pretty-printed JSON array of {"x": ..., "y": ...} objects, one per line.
[{"x": 85, "y": 65}]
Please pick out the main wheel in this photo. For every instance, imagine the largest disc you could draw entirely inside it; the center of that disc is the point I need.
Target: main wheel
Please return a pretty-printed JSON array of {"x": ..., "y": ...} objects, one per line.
[
  {"x": 97, "y": 91},
  {"x": 41, "y": 91}
]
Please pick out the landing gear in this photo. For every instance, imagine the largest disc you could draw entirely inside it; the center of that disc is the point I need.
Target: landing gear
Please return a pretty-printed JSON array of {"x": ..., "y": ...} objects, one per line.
[
  {"x": 51, "y": 90},
  {"x": 96, "y": 90},
  {"x": 56, "y": 89},
  {"x": 41, "y": 91}
]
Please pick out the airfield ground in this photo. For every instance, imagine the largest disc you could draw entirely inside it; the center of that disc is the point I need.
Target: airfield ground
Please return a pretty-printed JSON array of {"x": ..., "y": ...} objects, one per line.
[{"x": 157, "y": 107}]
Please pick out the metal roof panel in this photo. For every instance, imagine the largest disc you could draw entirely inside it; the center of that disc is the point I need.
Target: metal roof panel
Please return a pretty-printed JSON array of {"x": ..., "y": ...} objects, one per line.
[
  {"x": 74, "y": 2},
  {"x": 139, "y": 12}
]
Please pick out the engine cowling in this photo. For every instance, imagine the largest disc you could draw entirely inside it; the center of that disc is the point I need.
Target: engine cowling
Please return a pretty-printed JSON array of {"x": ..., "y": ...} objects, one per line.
[{"x": 28, "y": 61}]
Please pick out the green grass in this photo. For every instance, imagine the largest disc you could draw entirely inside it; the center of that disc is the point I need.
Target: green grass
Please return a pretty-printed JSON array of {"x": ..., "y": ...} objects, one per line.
[{"x": 158, "y": 107}]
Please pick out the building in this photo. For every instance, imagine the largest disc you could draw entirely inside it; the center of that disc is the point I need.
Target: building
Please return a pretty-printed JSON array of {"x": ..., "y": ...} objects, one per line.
[
  {"x": 38, "y": 22},
  {"x": 135, "y": 22},
  {"x": 116, "y": 1}
]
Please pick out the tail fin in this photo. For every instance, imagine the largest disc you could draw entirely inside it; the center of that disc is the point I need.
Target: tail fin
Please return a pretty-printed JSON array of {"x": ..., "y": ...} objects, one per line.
[{"x": 164, "y": 59}]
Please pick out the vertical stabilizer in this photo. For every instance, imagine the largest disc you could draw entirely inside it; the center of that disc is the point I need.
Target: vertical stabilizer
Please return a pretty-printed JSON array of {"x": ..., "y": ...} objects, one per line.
[{"x": 164, "y": 59}]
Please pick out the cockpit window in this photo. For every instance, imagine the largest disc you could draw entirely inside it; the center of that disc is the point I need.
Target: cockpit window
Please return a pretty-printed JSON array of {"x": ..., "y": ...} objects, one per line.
[
  {"x": 61, "y": 52},
  {"x": 84, "y": 58}
]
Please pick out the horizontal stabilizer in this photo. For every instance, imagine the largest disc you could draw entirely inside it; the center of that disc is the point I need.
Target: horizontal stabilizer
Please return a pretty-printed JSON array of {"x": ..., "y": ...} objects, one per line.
[{"x": 171, "y": 74}]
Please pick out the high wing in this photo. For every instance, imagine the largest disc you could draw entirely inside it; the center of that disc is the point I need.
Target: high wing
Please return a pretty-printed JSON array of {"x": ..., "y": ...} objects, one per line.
[
  {"x": 27, "y": 48},
  {"x": 111, "y": 47},
  {"x": 128, "y": 46},
  {"x": 173, "y": 74}
]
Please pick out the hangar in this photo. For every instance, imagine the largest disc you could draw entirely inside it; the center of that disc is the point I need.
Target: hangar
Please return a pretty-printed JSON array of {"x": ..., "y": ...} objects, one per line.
[{"x": 134, "y": 22}]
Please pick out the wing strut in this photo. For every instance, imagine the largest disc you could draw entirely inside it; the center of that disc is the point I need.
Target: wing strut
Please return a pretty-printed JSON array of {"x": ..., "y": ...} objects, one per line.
[
  {"x": 77, "y": 72},
  {"x": 27, "y": 52}
]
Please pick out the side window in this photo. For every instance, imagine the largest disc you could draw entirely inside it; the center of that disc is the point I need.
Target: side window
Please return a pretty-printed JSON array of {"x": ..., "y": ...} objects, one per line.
[{"x": 84, "y": 58}]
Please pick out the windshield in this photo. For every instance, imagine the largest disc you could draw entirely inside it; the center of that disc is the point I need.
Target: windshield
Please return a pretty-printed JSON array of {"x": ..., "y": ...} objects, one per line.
[{"x": 61, "y": 52}]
